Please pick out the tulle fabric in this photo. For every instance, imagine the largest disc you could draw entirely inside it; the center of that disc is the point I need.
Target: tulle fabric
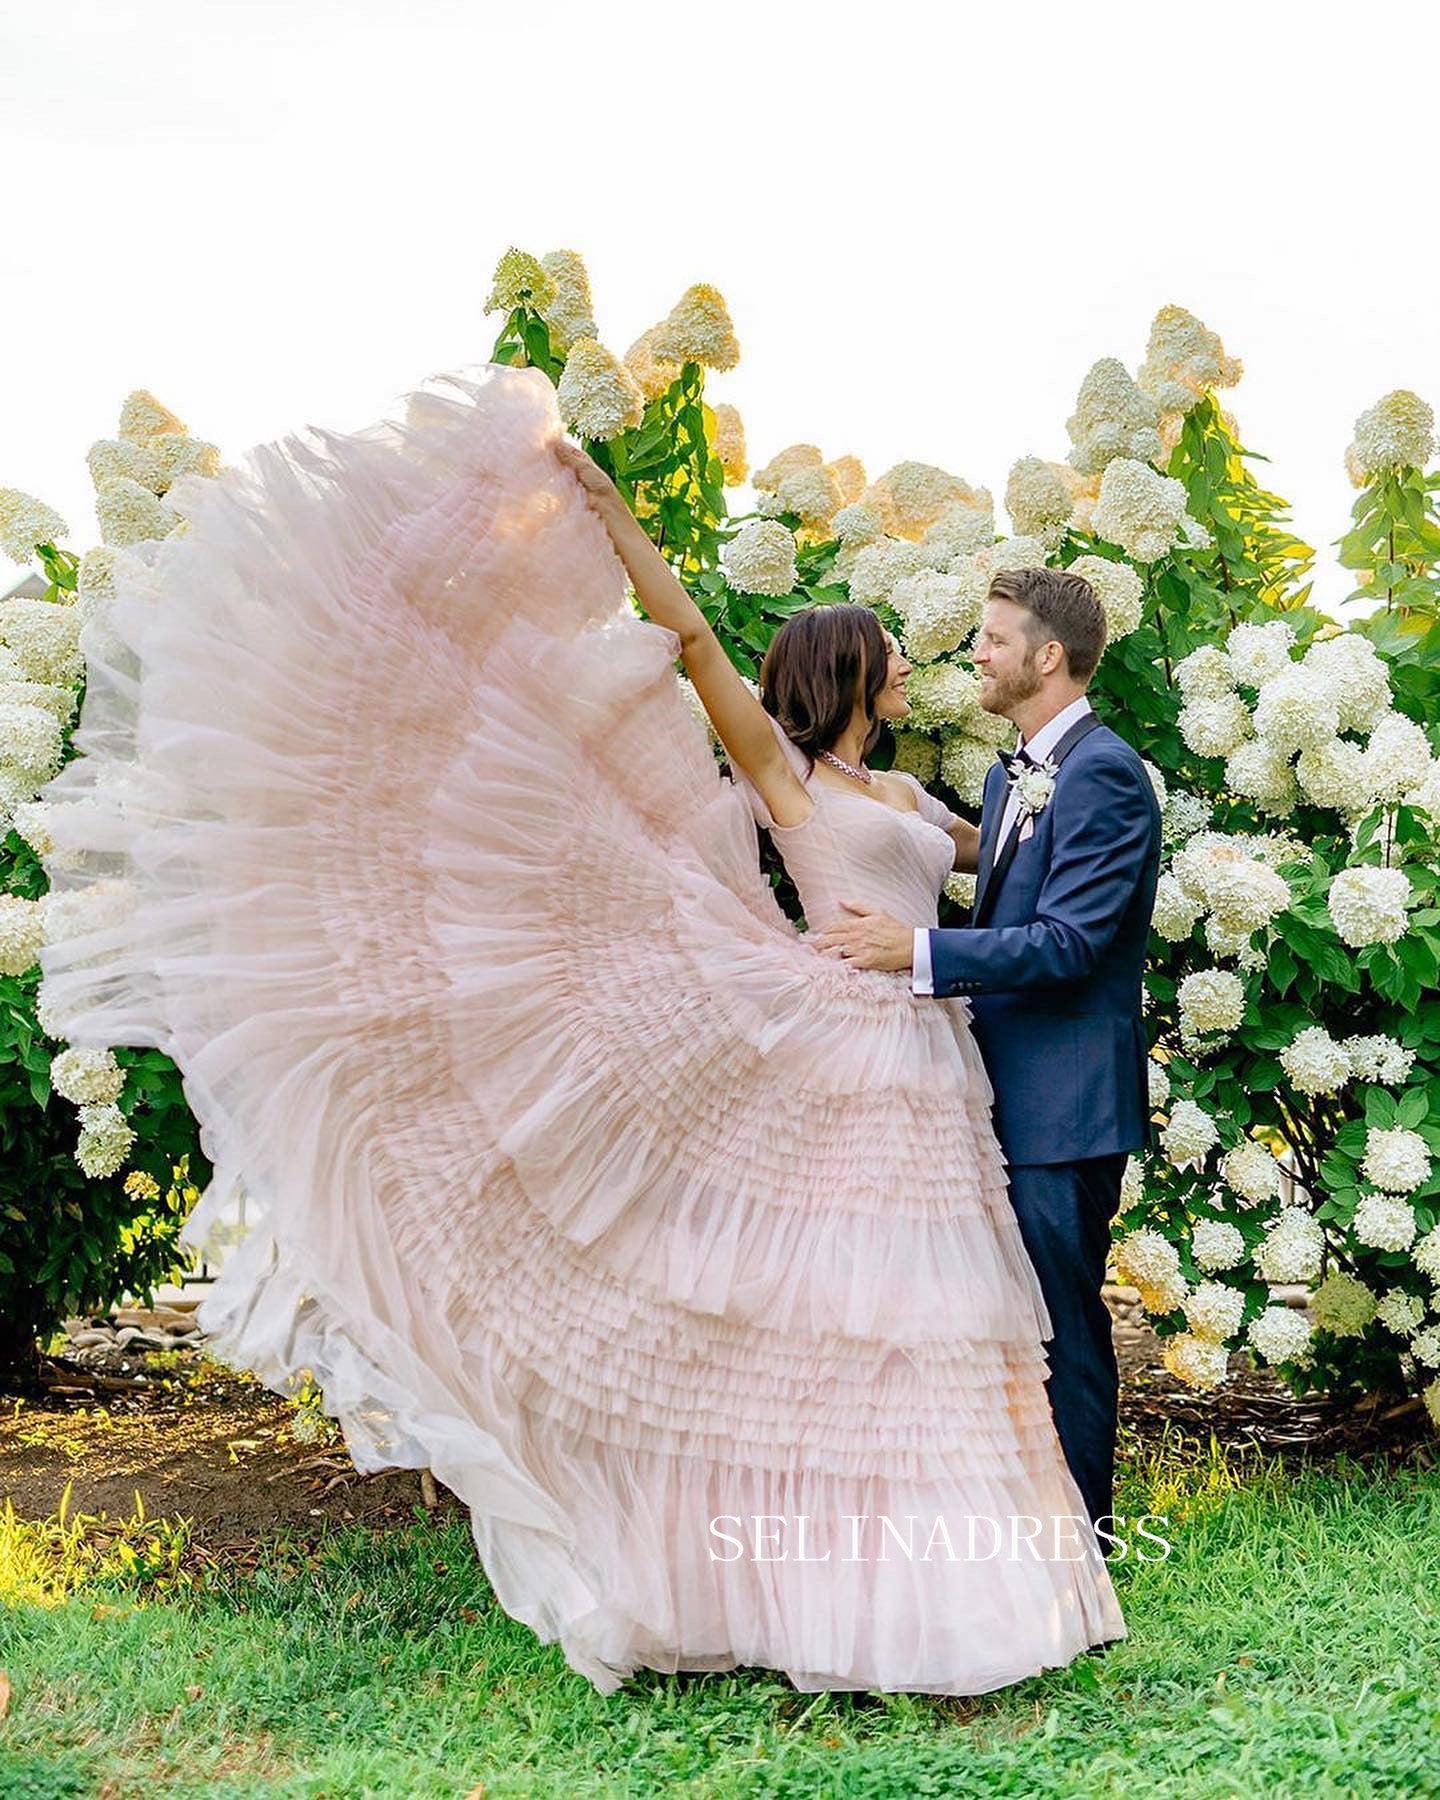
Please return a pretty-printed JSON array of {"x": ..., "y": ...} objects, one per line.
[{"x": 541, "y": 1138}]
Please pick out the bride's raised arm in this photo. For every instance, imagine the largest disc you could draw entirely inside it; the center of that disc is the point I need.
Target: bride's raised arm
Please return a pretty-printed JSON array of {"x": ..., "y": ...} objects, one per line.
[{"x": 743, "y": 725}]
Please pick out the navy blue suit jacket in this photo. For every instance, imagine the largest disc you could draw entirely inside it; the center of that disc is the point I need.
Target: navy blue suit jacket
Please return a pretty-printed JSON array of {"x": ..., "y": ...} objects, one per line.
[{"x": 1054, "y": 961}]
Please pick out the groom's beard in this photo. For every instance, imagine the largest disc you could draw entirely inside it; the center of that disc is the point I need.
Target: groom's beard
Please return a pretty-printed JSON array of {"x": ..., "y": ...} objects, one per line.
[{"x": 1005, "y": 692}]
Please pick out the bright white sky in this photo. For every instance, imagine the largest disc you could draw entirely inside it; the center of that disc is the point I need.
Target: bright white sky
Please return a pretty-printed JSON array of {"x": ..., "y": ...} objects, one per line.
[{"x": 928, "y": 220}]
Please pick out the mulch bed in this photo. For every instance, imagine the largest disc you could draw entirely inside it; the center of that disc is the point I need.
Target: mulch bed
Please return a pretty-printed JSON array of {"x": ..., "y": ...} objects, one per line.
[{"x": 202, "y": 1441}]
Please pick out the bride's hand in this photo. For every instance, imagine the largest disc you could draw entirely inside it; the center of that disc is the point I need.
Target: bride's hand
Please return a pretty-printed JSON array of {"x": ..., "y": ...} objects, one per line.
[{"x": 600, "y": 490}]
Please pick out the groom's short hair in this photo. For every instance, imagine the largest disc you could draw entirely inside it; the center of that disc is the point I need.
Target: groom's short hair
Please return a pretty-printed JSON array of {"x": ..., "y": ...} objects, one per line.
[{"x": 1063, "y": 607}]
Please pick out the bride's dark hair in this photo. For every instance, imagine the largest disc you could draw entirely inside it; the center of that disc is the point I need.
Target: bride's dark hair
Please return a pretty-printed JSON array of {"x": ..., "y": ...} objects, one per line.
[{"x": 813, "y": 669}]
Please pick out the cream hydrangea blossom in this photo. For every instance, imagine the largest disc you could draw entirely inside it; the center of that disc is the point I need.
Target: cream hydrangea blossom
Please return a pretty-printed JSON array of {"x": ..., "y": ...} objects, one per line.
[
  {"x": 86, "y": 1077},
  {"x": 519, "y": 280},
  {"x": 1184, "y": 360},
  {"x": 1017, "y": 553},
  {"x": 31, "y": 741},
  {"x": 1256, "y": 653},
  {"x": 917, "y": 755},
  {"x": 1296, "y": 710},
  {"x": 880, "y": 566},
  {"x": 22, "y": 934},
  {"x": 1158, "y": 1079},
  {"x": 965, "y": 761},
  {"x": 653, "y": 372},
  {"x": 848, "y": 474},
  {"x": 1396, "y": 1160},
  {"x": 813, "y": 495},
  {"x": 1229, "y": 880},
  {"x": 913, "y": 496},
  {"x": 858, "y": 524},
  {"x": 1397, "y": 757},
  {"x": 1397, "y": 432},
  {"x": 1293, "y": 1247},
  {"x": 936, "y": 613},
  {"x": 105, "y": 1140},
  {"x": 789, "y": 461},
  {"x": 1314, "y": 1063},
  {"x": 1040, "y": 497},
  {"x": 1400, "y": 1312},
  {"x": 1214, "y": 1311},
  {"x": 1211, "y": 1000},
  {"x": 1184, "y": 815},
  {"x": 1336, "y": 774},
  {"x": 1384, "y": 1222},
  {"x": 699, "y": 329},
  {"x": 1176, "y": 913},
  {"x": 597, "y": 395},
  {"x": 143, "y": 417},
  {"x": 129, "y": 513},
  {"x": 1380, "y": 1059},
  {"x": 961, "y": 888},
  {"x": 1119, "y": 589},
  {"x": 1215, "y": 726},
  {"x": 1205, "y": 674},
  {"x": 1190, "y": 1135},
  {"x": 1112, "y": 419},
  {"x": 1258, "y": 772},
  {"x": 1426, "y": 1254},
  {"x": 1251, "y": 1173},
  {"x": 1281, "y": 1334},
  {"x": 1150, "y": 1263},
  {"x": 1199, "y": 1362},
  {"x": 1215, "y": 1244},
  {"x": 960, "y": 531},
  {"x": 760, "y": 559},
  {"x": 1144, "y": 512},
  {"x": 570, "y": 311},
  {"x": 26, "y": 523},
  {"x": 117, "y": 459},
  {"x": 1369, "y": 906},
  {"x": 1343, "y": 1304},
  {"x": 1355, "y": 677},
  {"x": 943, "y": 697},
  {"x": 730, "y": 444},
  {"x": 1425, "y": 1347}
]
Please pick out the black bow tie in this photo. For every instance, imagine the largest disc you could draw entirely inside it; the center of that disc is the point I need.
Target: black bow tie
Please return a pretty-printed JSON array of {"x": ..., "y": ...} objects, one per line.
[{"x": 1010, "y": 759}]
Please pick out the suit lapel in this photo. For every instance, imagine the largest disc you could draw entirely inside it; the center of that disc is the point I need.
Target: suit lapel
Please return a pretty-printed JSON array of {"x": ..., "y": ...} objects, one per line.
[
  {"x": 989, "y": 885},
  {"x": 991, "y": 813}
]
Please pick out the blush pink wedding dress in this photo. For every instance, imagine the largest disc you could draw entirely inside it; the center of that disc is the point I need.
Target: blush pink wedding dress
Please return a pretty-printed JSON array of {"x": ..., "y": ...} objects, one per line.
[{"x": 541, "y": 1137}]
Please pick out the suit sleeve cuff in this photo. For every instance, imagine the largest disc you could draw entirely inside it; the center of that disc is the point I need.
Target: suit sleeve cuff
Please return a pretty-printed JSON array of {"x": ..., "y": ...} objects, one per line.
[{"x": 921, "y": 980}]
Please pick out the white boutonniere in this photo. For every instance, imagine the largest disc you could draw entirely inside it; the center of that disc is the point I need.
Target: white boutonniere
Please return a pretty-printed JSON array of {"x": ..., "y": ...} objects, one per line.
[{"x": 1034, "y": 783}]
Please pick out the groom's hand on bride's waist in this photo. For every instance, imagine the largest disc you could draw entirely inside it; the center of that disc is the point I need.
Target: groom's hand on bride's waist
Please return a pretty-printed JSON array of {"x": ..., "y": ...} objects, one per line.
[{"x": 868, "y": 940}]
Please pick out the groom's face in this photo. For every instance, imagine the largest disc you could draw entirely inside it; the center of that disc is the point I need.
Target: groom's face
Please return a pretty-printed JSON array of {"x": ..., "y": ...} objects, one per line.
[{"x": 1005, "y": 659}]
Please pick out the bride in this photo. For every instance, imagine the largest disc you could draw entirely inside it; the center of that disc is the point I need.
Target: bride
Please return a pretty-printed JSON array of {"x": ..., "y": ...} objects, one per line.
[{"x": 566, "y": 1165}]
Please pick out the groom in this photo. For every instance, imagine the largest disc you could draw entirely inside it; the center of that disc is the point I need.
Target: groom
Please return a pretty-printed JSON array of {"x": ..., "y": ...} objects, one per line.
[{"x": 1068, "y": 861}]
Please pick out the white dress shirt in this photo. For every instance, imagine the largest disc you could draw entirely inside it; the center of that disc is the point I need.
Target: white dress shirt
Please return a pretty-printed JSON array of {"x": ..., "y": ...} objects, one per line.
[{"x": 1037, "y": 749}]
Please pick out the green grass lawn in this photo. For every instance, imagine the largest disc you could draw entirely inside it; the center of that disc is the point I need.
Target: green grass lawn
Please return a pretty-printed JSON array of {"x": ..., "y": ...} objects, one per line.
[{"x": 1290, "y": 1645}]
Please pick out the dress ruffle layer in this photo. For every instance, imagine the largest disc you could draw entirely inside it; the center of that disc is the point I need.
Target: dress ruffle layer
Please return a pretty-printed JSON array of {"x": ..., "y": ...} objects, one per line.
[{"x": 567, "y": 1166}]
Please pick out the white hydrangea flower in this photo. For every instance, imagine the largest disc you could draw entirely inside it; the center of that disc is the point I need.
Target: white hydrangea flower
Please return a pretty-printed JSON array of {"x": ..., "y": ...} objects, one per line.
[
  {"x": 1336, "y": 774},
  {"x": 1039, "y": 497},
  {"x": 1397, "y": 1161},
  {"x": 1185, "y": 814},
  {"x": 943, "y": 697},
  {"x": 960, "y": 531},
  {"x": 965, "y": 761},
  {"x": 1314, "y": 1063},
  {"x": 143, "y": 417},
  {"x": 1258, "y": 772},
  {"x": 1293, "y": 1247},
  {"x": 789, "y": 461},
  {"x": 114, "y": 459},
  {"x": 961, "y": 888},
  {"x": 597, "y": 395},
  {"x": 31, "y": 740},
  {"x": 44, "y": 639},
  {"x": 1257, "y": 653},
  {"x": 1380, "y": 1059},
  {"x": 1190, "y": 1135},
  {"x": 1251, "y": 1173},
  {"x": 936, "y": 613},
  {"x": 105, "y": 1140},
  {"x": 1239, "y": 944},
  {"x": 913, "y": 496},
  {"x": 698, "y": 329},
  {"x": 519, "y": 280},
  {"x": 760, "y": 559},
  {"x": 858, "y": 523},
  {"x": 1017, "y": 553},
  {"x": 1176, "y": 913},
  {"x": 1197, "y": 1361},
  {"x": 180, "y": 455},
  {"x": 1159, "y": 1083},
  {"x": 1224, "y": 877},
  {"x": 654, "y": 373},
  {"x": 1119, "y": 589},
  {"x": 879, "y": 567},
  {"x": 26, "y": 523},
  {"x": 1205, "y": 674},
  {"x": 22, "y": 934},
  {"x": 1295, "y": 711},
  {"x": 1425, "y": 796},
  {"x": 1112, "y": 419},
  {"x": 1343, "y": 1305},
  {"x": 1143, "y": 512},
  {"x": 1281, "y": 1334},
  {"x": 570, "y": 311},
  {"x": 1184, "y": 360},
  {"x": 1368, "y": 906},
  {"x": 32, "y": 823},
  {"x": 1425, "y": 1347},
  {"x": 1132, "y": 1183},
  {"x": 1355, "y": 676},
  {"x": 1426, "y": 1255},
  {"x": 1214, "y": 1311},
  {"x": 813, "y": 495},
  {"x": 85, "y": 1077},
  {"x": 1384, "y": 1222},
  {"x": 1211, "y": 1000},
  {"x": 1215, "y": 1244},
  {"x": 1400, "y": 1312},
  {"x": 848, "y": 473},
  {"x": 1397, "y": 757},
  {"x": 129, "y": 513},
  {"x": 1397, "y": 432},
  {"x": 730, "y": 444},
  {"x": 1146, "y": 1258},
  {"x": 1215, "y": 726},
  {"x": 917, "y": 755}
]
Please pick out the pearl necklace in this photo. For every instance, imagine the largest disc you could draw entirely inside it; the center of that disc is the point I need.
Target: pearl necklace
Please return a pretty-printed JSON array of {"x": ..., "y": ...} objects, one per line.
[{"x": 845, "y": 769}]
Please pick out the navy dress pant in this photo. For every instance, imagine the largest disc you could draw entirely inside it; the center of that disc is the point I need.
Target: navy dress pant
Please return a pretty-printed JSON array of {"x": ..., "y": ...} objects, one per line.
[{"x": 1064, "y": 1211}]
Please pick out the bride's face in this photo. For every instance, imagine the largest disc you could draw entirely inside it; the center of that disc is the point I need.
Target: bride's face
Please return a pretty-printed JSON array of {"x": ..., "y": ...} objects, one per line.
[{"x": 891, "y": 703}]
